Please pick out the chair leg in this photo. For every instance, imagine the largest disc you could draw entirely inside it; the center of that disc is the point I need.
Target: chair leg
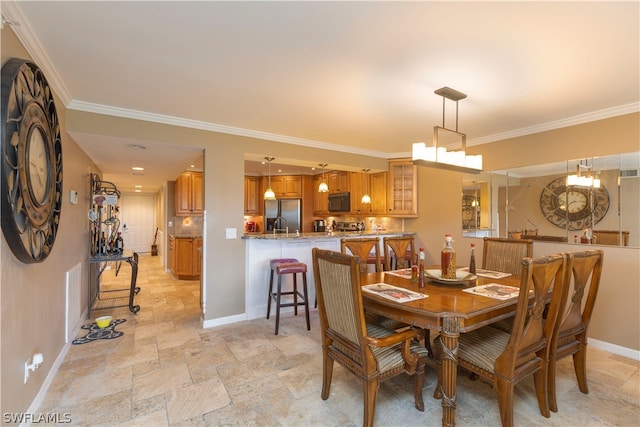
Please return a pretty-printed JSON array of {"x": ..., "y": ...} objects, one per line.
[
  {"x": 417, "y": 385},
  {"x": 551, "y": 385},
  {"x": 327, "y": 373},
  {"x": 504, "y": 390},
  {"x": 427, "y": 342},
  {"x": 370, "y": 392},
  {"x": 278, "y": 296},
  {"x": 295, "y": 294},
  {"x": 540, "y": 379},
  {"x": 306, "y": 300},
  {"x": 580, "y": 367},
  {"x": 270, "y": 294}
]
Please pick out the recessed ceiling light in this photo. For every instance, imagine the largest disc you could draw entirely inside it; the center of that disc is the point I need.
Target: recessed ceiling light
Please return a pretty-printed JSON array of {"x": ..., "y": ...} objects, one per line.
[
  {"x": 137, "y": 147},
  {"x": 138, "y": 186},
  {"x": 138, "y": 191},
  {"x": 192, "y": 166},
  {"x": 137, "y": 168}
]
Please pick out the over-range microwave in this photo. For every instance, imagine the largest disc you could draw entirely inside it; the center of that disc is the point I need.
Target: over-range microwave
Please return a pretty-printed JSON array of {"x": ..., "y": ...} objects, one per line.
[{"x": 340, "y": 202}]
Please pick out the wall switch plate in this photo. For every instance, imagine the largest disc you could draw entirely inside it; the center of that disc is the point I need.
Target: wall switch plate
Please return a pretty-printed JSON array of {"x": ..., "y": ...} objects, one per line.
[
  {"x": 232, "y": 233},
  {"x": 73, "y": 197}
]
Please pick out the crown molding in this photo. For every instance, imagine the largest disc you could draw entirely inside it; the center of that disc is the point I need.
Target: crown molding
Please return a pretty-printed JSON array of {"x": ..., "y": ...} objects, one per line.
[
  {"x": 26, "y": 35},
  {"x": 558, "y": 124},
  {"x": 214, "y": 127}
]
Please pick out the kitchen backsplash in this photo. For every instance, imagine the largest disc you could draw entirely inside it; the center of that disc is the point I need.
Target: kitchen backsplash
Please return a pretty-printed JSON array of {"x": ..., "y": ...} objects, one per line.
[{"x": 186, "y": 225}]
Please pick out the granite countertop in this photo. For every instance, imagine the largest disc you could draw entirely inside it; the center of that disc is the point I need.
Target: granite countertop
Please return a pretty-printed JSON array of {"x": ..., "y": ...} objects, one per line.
[{"x": 336, "y": 234}]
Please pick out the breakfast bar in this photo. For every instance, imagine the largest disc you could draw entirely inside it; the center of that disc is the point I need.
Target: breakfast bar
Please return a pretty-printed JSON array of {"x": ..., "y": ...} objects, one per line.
[{"x": 261, "y": 248}]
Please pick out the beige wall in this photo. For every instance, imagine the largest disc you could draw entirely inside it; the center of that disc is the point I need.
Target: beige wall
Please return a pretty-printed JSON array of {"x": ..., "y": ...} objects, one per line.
[{"x": 32, "y": 296}]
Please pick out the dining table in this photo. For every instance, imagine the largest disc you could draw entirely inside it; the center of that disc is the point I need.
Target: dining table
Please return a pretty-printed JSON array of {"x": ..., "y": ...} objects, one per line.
[{"x": 450, "y": 308}]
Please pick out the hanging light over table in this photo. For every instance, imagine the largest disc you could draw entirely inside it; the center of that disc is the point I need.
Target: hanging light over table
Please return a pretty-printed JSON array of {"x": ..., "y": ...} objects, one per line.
[
  {"x": 437, "y": 155},
  {"x": 583, "y": 180},
  {"x": 269, "y": 194}
]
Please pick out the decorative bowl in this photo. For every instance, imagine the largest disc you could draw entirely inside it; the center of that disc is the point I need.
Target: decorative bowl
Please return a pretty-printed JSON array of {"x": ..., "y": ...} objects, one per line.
[{"x": 103, "y": 321}]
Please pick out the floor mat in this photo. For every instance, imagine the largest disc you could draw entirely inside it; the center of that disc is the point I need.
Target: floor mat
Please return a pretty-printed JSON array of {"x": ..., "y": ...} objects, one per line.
[{"x": 96, "y": 333}]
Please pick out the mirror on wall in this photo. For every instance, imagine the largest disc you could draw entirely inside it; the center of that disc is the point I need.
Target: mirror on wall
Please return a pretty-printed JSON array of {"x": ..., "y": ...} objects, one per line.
[
  {"x": 588, "y": 200},
  {"x": 478, "y": 205}
]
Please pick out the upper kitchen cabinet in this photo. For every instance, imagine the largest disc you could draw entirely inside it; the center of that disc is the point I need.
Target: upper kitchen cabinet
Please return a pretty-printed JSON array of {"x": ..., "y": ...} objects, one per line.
[
  {"x": 378, "y": 193},
  {"x": 320, "y": 200},
  {"x": 285, "y": 186},
  {"x": 402, "y": 197},
  {"x": 339, "y": 181},
  {"x": 252, "y": 200},
  {"x": 373, "y": 184},
  {"x": 189, "y": 195}
]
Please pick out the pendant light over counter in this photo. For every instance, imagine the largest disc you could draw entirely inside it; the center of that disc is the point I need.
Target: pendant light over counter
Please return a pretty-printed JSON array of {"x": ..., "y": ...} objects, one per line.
[
  {"x": 323, "y": 187},
  {"x": 366, "y": 199},
  {"x": 269, "y": 194}
]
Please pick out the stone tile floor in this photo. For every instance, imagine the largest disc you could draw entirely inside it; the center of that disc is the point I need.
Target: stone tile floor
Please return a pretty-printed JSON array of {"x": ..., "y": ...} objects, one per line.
[{"x": 168, "y": 371}]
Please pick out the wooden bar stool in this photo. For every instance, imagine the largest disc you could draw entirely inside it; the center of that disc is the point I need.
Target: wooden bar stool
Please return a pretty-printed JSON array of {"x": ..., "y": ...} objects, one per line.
[{"x": 280, "y": 267}]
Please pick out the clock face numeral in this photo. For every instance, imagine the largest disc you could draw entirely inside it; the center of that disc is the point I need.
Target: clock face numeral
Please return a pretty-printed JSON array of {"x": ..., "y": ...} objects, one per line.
[
  {"x": 31, "y": 162},
  {"x": 573, "y": 207}
]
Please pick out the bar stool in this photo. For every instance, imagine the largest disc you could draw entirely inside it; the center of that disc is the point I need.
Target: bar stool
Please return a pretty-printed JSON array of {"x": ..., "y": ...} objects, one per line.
[{"x": 280, "y": 267}]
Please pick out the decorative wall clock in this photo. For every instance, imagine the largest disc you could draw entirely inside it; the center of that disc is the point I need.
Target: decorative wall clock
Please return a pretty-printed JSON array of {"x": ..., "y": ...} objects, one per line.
[
  {"x": 571, "y": 207},
  {"x": 31, "y": 165}
]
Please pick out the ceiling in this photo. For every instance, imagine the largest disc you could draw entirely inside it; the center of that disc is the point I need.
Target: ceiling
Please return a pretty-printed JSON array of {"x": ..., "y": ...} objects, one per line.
[{"x": 353, "y": 76}]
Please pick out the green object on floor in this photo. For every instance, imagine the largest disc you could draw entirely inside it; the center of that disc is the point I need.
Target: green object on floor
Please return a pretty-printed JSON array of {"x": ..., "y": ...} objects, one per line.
[{"x": 97, "y": 333}]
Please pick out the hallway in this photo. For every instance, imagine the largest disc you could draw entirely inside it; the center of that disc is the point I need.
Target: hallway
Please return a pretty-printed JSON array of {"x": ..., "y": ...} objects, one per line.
[{"x": 167, "y": 370}]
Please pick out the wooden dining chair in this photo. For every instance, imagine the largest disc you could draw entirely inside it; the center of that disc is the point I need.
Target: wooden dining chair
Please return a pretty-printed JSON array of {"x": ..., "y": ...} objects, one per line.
[
  {"x": 584, "y": 270},
  {"x": 370, "y": 352},
  {"x": 366, "y": 249},
  {"x": 506, "y": 358},
  {"x": 396, "y": 249},
  {"x": 505, "y": 254}
]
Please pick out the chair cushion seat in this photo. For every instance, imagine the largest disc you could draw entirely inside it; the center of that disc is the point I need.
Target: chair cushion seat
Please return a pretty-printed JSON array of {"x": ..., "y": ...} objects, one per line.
[
  {"x": 292, "y": 267},
  {"x": 274, "y": 262}
]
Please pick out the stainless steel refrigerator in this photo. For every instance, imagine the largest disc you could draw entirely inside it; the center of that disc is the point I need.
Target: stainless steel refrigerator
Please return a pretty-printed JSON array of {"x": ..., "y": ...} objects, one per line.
[{"x": 282, "y": 214}]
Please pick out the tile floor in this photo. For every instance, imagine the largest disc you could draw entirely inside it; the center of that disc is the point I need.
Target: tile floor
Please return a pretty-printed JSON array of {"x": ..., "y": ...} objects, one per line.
[{"x": 168, "y": 371}]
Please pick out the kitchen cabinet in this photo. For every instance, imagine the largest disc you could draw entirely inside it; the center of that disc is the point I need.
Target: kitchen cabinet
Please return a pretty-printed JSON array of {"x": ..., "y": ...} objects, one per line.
[
  {"x": 189, "y": 195},
  {"x": 187, "y": 258},
  {"x": 252, "y": 200},
  {"x": 378, "y": 193},
  {"x": 320, "y": 200},
  {"x": 402, "y": 199},
  {"x": 285, "y": 186},
  {"x": 339, "y": 182},
  {"x": 374, "y": 184}
]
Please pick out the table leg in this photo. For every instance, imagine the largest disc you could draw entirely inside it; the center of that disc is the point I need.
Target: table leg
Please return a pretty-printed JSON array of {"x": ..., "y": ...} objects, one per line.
[{"x": 448, "y": 369}]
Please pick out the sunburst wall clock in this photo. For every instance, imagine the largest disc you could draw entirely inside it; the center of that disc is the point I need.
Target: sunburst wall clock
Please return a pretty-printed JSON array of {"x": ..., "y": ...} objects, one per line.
[{"x": 31, "y": 165}]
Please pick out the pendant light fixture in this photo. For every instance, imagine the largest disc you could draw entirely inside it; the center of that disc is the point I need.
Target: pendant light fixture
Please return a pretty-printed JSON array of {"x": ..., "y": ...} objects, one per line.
[
  {"x": 269, "y": 194},
  {"x": 323, "y": 187},
  {"x": 584, "y": 180},
  {"x": 366, "y": 199},
  {"x": 437, "y": 155}
]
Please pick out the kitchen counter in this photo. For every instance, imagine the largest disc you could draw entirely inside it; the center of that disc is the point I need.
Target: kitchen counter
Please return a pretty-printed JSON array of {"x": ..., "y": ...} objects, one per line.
[
  {"x": 336, "y": 234},
  {"x": 185, "y": 236}
]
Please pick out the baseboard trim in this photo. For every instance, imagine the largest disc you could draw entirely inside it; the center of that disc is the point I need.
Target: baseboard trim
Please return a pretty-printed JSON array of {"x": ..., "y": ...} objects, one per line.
[
  {"x": 615, "y": 349},
  {"x": 224, "y": 320}
]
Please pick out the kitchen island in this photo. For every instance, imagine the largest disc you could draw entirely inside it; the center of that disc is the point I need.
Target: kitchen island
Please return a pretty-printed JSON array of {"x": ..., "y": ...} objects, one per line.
[{"x": 261, "y": 248}]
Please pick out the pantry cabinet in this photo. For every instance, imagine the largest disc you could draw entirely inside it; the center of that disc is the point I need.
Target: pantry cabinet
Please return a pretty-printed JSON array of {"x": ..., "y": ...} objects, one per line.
[{"x": 189, "y": 194}]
